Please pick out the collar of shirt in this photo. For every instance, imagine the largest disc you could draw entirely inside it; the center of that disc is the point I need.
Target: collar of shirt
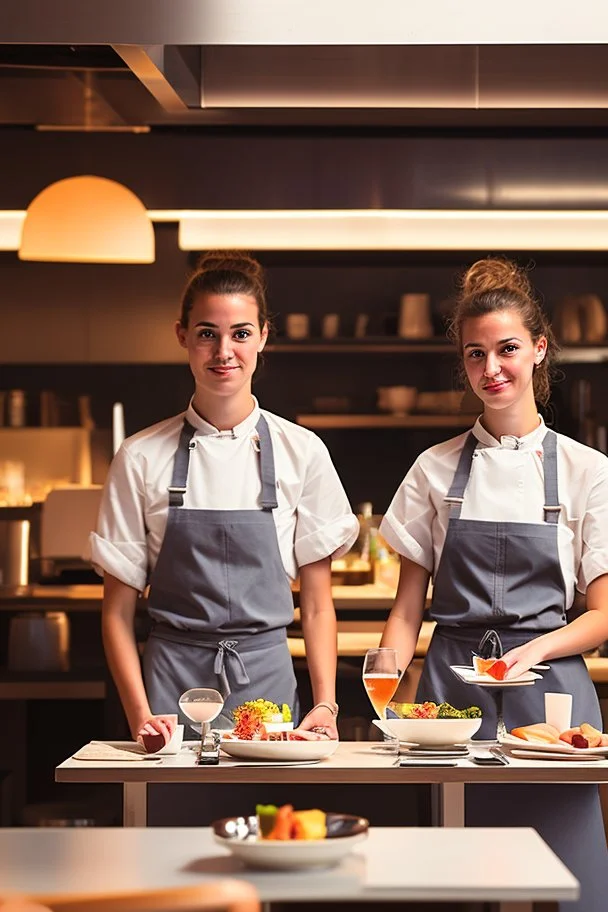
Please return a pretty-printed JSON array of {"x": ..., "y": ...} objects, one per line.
[
  {"x": 531, "y": 441},
  {"x": 205, "y": 429}
]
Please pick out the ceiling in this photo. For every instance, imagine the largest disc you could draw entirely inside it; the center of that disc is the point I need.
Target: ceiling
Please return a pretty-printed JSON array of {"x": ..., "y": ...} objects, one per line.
[{"x": 107, "y": 66}]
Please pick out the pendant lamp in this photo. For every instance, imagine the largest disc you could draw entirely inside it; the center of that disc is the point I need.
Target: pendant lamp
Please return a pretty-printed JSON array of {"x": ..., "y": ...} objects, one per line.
[{"x": 87, "y": 219}]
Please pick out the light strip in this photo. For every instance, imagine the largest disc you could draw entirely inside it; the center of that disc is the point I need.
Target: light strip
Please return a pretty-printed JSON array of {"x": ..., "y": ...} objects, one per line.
[
  {"x": 11, "y": 224},
  {"x": 396, "y": 229},
  {"x": 493, "y": 230}
]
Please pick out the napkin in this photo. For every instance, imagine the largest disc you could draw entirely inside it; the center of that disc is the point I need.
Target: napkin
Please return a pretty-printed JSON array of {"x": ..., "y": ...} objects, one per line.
[{"x": 101, "y": 750}]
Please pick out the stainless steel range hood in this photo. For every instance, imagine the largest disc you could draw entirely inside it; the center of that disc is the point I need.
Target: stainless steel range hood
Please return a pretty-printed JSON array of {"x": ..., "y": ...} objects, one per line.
[{"x": 205, "y": 61}]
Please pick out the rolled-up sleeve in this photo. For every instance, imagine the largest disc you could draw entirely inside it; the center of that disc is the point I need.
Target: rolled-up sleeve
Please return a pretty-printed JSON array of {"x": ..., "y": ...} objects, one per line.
[
  {"x": 325, "y": 524},
  {"x": 594, "y": 556},
  {"x": 407, "y": 525},
  {"x": 118, "y": 546}
]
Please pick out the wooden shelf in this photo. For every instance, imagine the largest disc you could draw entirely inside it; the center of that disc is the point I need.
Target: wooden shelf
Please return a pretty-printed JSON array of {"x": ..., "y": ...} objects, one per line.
[
  {"x": 372, "y": 345},
  {"x": 386, "y": 421},
  {"x": 577, "y": 354}
]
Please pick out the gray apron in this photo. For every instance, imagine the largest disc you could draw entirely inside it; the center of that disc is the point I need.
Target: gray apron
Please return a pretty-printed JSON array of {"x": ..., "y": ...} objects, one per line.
[
  {"x": 220, "y": 599},
  {"x": 508, "y": 577}
]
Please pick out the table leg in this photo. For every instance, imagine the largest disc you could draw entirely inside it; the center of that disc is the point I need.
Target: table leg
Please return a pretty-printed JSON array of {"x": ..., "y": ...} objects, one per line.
[
  {"x": 516, "y": 907},
  {"x": 447, "y": 804},
  {"x": 134, "y": 804}
]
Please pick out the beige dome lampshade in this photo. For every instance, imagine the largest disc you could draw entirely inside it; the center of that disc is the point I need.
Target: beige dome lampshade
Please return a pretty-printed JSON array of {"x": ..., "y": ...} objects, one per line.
[{"x": 87, "y": 219}]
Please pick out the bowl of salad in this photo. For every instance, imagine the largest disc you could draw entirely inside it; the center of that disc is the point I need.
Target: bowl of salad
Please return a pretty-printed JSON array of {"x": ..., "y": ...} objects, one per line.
[{"x": 431, "y": 724}]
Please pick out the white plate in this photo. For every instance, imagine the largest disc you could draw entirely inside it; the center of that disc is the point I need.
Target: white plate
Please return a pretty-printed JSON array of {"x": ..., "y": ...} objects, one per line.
[
  {"x": 549, "y": 755},
  {"x": 468, "y": 674},
  {"x": 430, "y": 732},
  {"x": 511, "y": 741},
  {"x": 292, "y": 854},
  {"x": 279, "y": 750}
]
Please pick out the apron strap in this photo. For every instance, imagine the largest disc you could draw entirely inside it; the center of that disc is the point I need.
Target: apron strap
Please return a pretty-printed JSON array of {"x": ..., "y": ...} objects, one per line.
[
  {"x": 269, "y": 484},
  {"x": 179, "y": 478},
  {"x": 552, "y": 506},
  {"x": 227, "y": 654},
  {"x": 455, "y": 495}
]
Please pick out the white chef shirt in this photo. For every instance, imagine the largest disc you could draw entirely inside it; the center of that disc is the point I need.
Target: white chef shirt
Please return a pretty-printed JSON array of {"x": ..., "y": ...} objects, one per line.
[
  {"x": 506, "y": 484},
  {"x": 313, "y": 518}
]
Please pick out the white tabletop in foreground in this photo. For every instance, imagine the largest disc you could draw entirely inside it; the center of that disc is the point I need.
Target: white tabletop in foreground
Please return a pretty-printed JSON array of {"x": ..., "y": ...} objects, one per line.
[{"x": 398, "y": 863}]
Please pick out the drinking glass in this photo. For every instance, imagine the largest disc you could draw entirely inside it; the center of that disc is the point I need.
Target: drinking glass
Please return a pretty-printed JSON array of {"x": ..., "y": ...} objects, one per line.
[
  {"x": 380, "y": 677},
  {"x": 201, "y": 705}
]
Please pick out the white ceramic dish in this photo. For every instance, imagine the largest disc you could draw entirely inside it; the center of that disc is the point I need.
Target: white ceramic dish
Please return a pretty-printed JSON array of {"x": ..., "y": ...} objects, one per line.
[
  {"x": 279, "y": 750},
  {"x": 239, "y": 836},
  {"x": 549, "y": 755},
  {"x": 511, "y": 741},
  {"x": 430, "y": 732},
  {"x": 468, "y": 674}
]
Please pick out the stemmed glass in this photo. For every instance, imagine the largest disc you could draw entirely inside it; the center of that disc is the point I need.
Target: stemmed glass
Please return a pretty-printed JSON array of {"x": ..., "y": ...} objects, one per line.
[
  {"x": 201, "y": 705},
  {"x": 380, "y": 677}
]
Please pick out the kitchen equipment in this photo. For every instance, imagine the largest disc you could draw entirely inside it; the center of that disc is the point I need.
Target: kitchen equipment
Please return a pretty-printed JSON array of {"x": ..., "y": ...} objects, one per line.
[
  {"x": 39, "y": 641},
  {"x": 415, "y": 317},
  {"x": 297, "y": 326},
  {"x": 330, "y": 326},
  {"x": 16, "y": 408},
  {"x": 445, "y": 402},
  {"x": 118, "y": 426},
  {"x": 397, "y": 399},
  {"x": 12, "y": 483},
  {"x": 69, "y": 515},
  {"x": 14, "y": 552}
]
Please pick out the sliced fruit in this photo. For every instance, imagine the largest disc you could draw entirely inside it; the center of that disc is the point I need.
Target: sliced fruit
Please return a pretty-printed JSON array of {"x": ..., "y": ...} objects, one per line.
[
  {"x": 481, "y": 666},
  {"x": 541, "y": 731},
  {"x": 498, "y": 670}
]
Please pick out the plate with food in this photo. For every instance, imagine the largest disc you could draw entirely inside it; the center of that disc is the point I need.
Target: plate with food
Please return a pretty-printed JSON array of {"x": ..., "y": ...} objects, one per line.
[
  {"x": 252, "y": 738},
  {"x": 582, "y": 741},
  {"x": 492, "y": 675},
  {"x": 281, "y": 838},
  {"x": 431, "y": 724}
]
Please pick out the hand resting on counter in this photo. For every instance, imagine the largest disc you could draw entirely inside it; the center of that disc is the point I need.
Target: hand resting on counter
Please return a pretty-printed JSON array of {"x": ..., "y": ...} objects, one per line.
[{"x": 156, "y": 731}]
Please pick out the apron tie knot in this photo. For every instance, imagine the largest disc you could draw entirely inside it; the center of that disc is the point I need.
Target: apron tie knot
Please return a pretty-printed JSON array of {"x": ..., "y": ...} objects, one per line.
[{"x": 227, "y": 657}]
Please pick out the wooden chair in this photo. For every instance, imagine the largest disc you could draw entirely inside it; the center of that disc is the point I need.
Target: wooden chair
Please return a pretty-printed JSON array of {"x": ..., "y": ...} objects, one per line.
[{"x": 215, "y": 896}]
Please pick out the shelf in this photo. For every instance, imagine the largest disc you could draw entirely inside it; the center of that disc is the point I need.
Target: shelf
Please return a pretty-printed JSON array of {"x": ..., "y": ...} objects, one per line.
[
  {"x": 373, "y": 345},
  {"x": 581, "y": 354},
  {"x": 386, "y": 421},
  {"x": 574, "y": 354}
]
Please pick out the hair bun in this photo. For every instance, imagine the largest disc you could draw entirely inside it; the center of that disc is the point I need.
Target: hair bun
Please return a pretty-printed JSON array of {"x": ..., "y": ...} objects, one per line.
[
  {"x": 494, "y": 274},
  {"x": 230, "y": 261}
]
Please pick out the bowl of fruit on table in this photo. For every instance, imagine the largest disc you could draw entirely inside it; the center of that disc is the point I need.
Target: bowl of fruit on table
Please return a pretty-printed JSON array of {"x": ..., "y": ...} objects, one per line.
[{"x": 283, "y": 838}]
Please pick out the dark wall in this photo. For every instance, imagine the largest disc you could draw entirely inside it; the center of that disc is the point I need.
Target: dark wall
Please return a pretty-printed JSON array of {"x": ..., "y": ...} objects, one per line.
[{"x": 301, "y": 169}]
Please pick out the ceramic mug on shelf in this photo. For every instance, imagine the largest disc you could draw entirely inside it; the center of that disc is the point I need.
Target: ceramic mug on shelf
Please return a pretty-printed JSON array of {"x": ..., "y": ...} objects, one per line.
[
  {"x": 297, "y": 326},
  {"x": 415, "y": 317}
]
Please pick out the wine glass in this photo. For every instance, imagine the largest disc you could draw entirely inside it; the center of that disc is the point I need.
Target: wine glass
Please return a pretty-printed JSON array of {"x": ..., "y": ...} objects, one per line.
[
  {"x": 201, "y": 705},
  {"x": 380, "y": 677}
]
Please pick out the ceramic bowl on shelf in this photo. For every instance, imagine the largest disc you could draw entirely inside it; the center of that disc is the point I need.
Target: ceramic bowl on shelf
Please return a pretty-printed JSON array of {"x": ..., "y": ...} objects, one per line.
[
  {"x": 240, "y": 836},
  {"x": 399, "y": 400}
]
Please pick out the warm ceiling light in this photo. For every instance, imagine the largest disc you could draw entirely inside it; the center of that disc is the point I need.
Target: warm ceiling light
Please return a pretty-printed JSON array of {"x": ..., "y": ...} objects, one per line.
[{"x": 87, "y": 219}]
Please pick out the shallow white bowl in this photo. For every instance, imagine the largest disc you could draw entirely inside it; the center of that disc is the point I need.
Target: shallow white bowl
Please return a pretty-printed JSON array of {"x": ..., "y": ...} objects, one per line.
[
  {"x": 279, "y": 751},
  {"x": 430, "y": 732},
  {"x": 239, "y": 835}
]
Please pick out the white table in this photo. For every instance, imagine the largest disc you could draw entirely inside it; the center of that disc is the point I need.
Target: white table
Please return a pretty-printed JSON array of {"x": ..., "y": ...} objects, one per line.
[
  {"x": 355, "y": 762},
  {"x": 513, "y": 867}
]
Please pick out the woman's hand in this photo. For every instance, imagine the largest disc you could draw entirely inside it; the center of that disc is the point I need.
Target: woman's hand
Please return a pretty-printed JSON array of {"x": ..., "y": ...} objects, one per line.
[
  {"x": 321, "y": 721},
  {"x": 156, "y": 731},
  {"x": 522, "y": 658}
]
